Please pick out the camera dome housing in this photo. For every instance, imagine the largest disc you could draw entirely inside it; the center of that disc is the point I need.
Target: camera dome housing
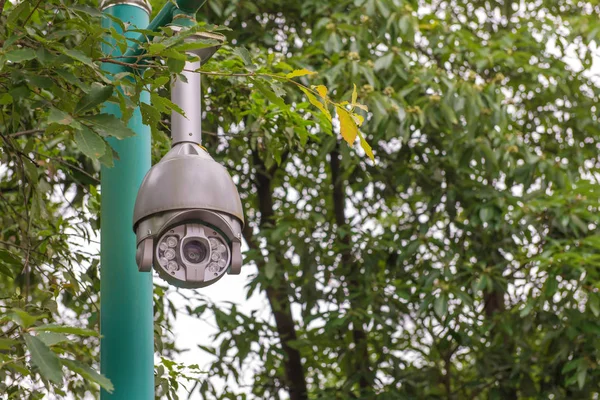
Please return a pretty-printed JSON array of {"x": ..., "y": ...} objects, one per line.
[{"x": 188, "y": 219}]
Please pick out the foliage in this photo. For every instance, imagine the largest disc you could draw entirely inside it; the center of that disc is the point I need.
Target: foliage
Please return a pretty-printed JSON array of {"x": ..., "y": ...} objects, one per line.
[{"x": 462, "y": 264}]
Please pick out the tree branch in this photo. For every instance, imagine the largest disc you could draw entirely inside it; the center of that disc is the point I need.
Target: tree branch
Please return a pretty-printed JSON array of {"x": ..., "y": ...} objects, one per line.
[
  {"x": 2, "y": 6},
  {"x": 24, "y": 133},
  {"x": 31, "y": 13}
]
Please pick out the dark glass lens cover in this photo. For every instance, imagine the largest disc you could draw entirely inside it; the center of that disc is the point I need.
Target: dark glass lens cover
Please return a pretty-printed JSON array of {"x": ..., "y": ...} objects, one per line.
[{"x": 194, "y": 251}]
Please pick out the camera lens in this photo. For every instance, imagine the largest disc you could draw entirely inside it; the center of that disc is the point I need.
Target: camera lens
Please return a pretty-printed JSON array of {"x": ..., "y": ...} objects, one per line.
[{"x": 194, "y": 251}]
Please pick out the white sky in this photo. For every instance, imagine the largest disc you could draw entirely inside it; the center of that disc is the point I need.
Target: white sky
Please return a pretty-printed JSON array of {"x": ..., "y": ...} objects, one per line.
[{"x": 191, "y": 331}]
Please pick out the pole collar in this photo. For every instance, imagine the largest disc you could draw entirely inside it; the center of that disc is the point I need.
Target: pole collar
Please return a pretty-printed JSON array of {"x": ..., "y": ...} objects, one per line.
[{"x": 143, "y": 4}]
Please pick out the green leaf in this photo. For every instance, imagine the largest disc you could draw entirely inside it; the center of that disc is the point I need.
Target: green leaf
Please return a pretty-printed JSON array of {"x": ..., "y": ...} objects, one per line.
[
  {"x": 488, "y": 153},
  {"x": 90, "y": 143},
  {"x": 270, "y": 95},
  {"x": 165, "y": 105},
  {"x": 279, "y": 91},
  {"x": 464, "y": 298},
  {"x": 5, "y": 98},
  {"x": 385, "y": 12},
  {"x": 79, "y": 56},
  {"x": 108, "y": 125},
  {"x": 383, "y": 62},
  {"x": 317, "y": 103},
  {"x": 405, "y": 25},
  {"x": 23, "y": 318},
  {"x": 594, "y": 303},
  {"x": 244, "y": 54},
  {"x": 94, "y": 12},
  {"x": 526, "y": 311},
  {"x": 108, "y": 159},
  {"x": 486, "y": 214},
  {"x": 299, "y": 72},
  {"x": 89, "y": 374},
  {"x": 41, "y": 82},
  {"x": 7, "y": 259},
  {"x": 18, "y": 11},
  {"x": 440, "y": 306},
  {"x": 571, "y": 365},
  {"x": 52, "y": 338},
  {"x": 20, "y": 55},
  {"x": 448, "y": 113},
  {"x": 156, "y": 47},
  {"x": 5, "y": 270},
  {"x": 581, "y": 375},
  {"x": 74, "y": 330},
  {"x": 97, "y": 95},
  {"x": 7, "y": 344},
  {"x": 333, "y": 44},
  {"x": 175, "y": 66},
  {"x": 150, "y": 116},
  {"x": 366, "y": 147},
  {"x": 57, "y": 116},
  {"x": 579, "y": 223},
  {"x": 551, "y": 286},
  {"x": 270, "y": 269},
  {"x": 197, "y": 45},
  {"x": 47, "y": 362}
]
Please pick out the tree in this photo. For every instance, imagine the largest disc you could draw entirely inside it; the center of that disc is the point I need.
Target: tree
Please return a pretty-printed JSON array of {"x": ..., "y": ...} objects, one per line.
[{"x": 461, "y": 263}]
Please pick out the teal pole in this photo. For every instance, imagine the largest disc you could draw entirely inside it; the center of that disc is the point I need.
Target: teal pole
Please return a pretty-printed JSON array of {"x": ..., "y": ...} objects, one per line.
[
  {"x": 163, "y": 18},
  {"x": 126, "y": 313}
]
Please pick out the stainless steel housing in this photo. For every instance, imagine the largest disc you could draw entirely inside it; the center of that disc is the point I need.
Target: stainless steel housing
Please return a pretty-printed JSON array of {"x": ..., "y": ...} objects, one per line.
[{"x": 187, "y": 187}]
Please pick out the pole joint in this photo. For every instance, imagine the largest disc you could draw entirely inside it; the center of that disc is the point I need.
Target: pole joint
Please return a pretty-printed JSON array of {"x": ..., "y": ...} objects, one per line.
[
  {"x": 143, "y": 4},
  {"x": 190, "y": 6}
]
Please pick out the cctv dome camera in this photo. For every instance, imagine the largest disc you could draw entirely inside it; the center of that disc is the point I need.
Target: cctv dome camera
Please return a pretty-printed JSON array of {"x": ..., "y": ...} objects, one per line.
[{"x": 188, "y": 219}]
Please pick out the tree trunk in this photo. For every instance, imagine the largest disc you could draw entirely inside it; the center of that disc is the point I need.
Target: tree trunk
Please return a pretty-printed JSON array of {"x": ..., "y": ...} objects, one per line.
[
  {"x": 355, "y": 286},
  {"x": 277, "y": 291}
]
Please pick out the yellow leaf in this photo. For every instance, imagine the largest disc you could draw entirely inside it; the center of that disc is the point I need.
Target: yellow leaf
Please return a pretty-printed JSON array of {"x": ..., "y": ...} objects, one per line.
[
  {"x": 315, "y": 102},
  {"x": 354, "y": 94},
  {"x": 366, "y": 147},
  {"x": 359, "y": 119},
  {"x": 348, "y": 128},
  {"x": 299, "y": 72},
  {"x": 361, "y": 106},
  {"x": 322, "y": 90}
]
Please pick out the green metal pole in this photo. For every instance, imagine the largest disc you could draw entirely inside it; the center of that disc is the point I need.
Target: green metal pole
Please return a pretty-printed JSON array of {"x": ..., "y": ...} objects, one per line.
[
  {"x": 164, "y": 17},
  {"x": 126, "y": 313}
]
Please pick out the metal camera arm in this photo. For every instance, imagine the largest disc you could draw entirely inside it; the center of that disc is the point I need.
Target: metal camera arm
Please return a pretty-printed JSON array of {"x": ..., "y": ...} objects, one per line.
[{"x": 187, "y": 94}]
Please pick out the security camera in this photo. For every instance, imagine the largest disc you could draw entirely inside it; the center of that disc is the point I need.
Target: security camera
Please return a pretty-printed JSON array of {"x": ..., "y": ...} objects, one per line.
[
  {"x": 188, "y": 219},
  {"x": 188, "y": 216}
]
